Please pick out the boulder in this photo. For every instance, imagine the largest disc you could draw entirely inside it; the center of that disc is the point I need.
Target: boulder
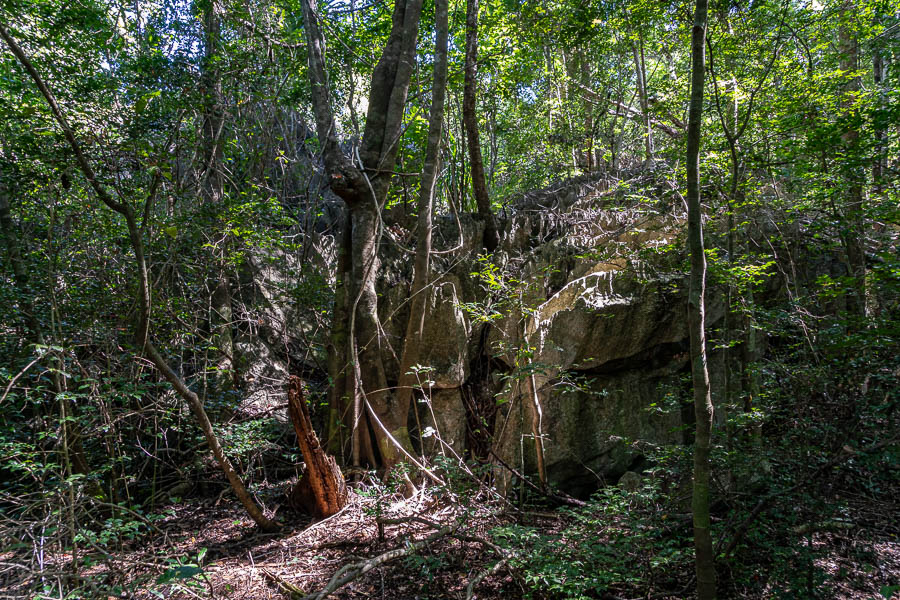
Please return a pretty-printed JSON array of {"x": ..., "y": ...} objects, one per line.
[
  {"x": 445, "y": 335},
  {"x": 445, "y": 413}
]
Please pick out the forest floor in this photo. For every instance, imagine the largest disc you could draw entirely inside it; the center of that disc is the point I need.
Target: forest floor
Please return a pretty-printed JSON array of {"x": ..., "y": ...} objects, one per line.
[{"x": 240, "y": 562}]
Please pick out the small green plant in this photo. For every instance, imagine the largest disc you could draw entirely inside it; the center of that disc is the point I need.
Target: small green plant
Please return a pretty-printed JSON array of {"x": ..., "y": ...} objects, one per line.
[
  {"x": 617, "y": 540},
  {"x": 184, "y": 573}
]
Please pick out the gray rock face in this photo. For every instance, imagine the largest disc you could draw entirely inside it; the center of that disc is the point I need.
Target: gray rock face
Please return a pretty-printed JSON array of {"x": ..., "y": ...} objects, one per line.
[
  {"x": 600, "y": 323},
  {"x": 445, "y": 336},
  {"x": 274, "y": 319},
  {"x": 606, "y": 348},
  {"x": 589, "y": 301},
  {"x": 630, "y": 481}
]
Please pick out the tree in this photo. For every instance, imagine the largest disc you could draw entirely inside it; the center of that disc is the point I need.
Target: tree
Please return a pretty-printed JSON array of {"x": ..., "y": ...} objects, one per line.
[
  {"x": 212, "y": 190},
  {"x": 136, "y": 232},
  {"x": 852, "y": 232},
  {"x": 362, "y": 181},
  {"x": 734, "y": 126},
  {"x": 412, "y": 349},
  {"x": 470, "y": 119},
  {"x": 703, "y": 407}
]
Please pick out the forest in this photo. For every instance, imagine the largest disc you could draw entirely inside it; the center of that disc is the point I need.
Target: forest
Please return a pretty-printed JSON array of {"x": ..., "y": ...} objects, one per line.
[{"x": 469, "y": 299}]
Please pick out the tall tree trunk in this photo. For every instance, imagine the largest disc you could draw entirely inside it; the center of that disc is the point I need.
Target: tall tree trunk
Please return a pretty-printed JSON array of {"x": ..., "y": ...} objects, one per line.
[
  {"x": 212, "y": 189},
  {"x": 588, "y": 116},
  {"x": 363, "y": 184},
  {"x": 637, "y": 49},
  {"x": 418, "y": 293},
  {"x": 470, "y": 118},
  {"x": 880, "y": 159},
  {"x": 142, "y": 338},
  {"x": 852, "y": 229},
  {"x": 703, "y": 407},
  {"x": 578, "y": 72},
  {"x": 339, "y": 416}
]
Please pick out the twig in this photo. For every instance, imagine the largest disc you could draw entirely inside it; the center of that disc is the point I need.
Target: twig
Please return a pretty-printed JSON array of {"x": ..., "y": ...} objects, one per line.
[
  {"x": 562, "y": 498},
  {"x": 504, "y": 555},
  {"x": 400, "y": 447},
  {"x": 470, "y": 589},
  {"x": 285, "y": 586},
  {"x": 318, "y": 524},
  {"x": 355, "y": 570},
  {"x": 19, "y": 374}
]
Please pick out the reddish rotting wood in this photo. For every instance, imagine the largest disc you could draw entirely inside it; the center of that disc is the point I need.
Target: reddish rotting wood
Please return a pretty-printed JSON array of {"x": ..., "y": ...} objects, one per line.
[{"x": 322, "y": 490}]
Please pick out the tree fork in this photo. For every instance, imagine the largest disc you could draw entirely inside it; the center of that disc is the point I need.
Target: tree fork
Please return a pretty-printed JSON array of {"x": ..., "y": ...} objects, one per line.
[{"x": 362, "y": 181}]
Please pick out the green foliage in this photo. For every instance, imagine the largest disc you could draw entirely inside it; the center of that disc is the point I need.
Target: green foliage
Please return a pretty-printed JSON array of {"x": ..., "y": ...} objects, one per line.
[
  {"x": 618, "y": 540},
  {"x": 185, "y": 573},
  {"x": 556, "y": 98}
]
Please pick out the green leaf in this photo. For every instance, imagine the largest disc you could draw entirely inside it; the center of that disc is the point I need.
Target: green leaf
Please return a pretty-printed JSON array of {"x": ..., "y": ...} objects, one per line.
[
  {"x": 171, "y": 231},
  {"x": 144, "y": 100},
  {"x": 180, "y": 572}
]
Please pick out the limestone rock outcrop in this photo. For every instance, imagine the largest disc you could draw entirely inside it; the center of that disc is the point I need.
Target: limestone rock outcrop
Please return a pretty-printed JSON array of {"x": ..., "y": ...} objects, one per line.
[
  {"x": 583, "y": 308},
  {"x": 585, "y": 300}
]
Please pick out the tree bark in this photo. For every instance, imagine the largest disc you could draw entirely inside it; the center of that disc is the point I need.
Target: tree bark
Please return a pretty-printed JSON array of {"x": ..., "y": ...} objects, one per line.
[
  {"x": 703, "y": 407},
  {"x": 321, "y": 491},
  {"x": 418, "y": 294},
  {"x": 852, "y": 232},
  {"x": 212, "y": 190},
  {"x": 578, "y": 71},
  {"x": 470, "y": 119},
  {"x": 142, "y": 340},
  {"x": 638, "y": 52},
  {"x": 338, "y": 411},
  {"x": 880, "y": 159},
  {"x": 363, "y": 184}
]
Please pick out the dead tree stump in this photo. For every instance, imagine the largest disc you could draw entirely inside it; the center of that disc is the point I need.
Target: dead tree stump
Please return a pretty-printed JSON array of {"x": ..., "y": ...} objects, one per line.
[{"x": 321, "y": 491}]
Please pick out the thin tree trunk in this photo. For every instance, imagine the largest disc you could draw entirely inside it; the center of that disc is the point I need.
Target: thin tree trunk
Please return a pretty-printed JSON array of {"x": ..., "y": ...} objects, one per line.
[
  {"x": 880, "y": 158},
  {"x": 337, "y": 349},
  {"x": 638, "y": 52},
  {"x": 588, "y": 115},
  {"x": 470, "y": 119},
  {"x": 212, "y": 190},
  {"x": 703, "y": 407},
  {"x": 749, "y": 356},
  {"x": 142, "y": 339},
  {"x": 537, "y": 417},
  {"x": 852, "y": 229},
  {"x": 418, "y": 294}
]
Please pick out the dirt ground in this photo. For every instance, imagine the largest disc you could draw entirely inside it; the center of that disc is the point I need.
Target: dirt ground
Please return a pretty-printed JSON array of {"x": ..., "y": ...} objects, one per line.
[{"x": 208, "y": 548}]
